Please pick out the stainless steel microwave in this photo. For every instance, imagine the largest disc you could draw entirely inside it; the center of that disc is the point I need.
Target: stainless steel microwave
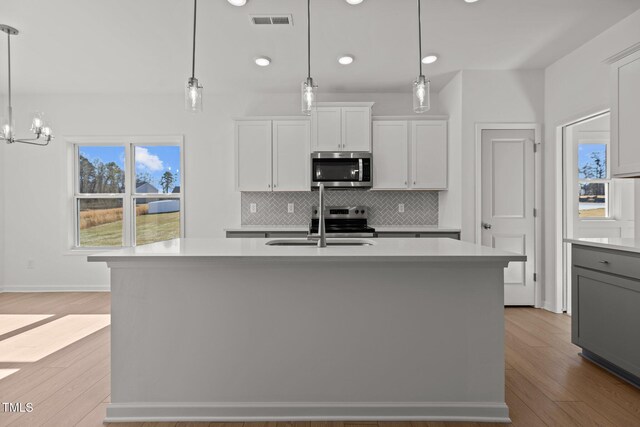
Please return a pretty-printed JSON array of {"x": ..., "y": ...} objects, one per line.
[{"x": 342, "y": 169}]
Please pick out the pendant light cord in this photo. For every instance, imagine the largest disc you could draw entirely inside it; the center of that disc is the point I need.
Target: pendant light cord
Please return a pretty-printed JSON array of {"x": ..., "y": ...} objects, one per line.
[
  {"x": 193, "y": 58},
  {"x": 10, "y": 112},
  {"x": 309, "y": 38},
  {"x": 419, "y": 38}
]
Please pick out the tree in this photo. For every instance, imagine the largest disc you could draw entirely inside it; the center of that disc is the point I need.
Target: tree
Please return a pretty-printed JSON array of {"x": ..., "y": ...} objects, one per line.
[
  {"x": 166, "y": 181},
  {"x": 143, "y": 177}
]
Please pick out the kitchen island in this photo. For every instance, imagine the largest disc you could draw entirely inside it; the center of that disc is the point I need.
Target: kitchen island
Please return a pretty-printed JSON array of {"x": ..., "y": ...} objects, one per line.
[{"x": 236, "y": 330}]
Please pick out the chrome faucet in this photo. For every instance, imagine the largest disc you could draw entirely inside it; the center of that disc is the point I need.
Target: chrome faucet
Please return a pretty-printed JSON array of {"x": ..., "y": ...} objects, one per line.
[{"x": 321, "y": 237}]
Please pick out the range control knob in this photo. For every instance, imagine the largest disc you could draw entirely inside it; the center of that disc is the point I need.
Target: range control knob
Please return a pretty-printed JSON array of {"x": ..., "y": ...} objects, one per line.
[
  {"x": 357, "y": 211},
  {"x": 362, "y": 211}
]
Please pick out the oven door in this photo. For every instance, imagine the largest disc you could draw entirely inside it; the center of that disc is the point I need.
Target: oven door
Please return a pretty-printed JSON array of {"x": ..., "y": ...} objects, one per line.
[{"x": 342, "y": 170}]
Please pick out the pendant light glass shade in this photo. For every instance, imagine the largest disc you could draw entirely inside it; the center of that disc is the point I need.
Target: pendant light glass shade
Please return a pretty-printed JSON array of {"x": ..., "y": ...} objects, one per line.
[
  {"x": 193, "y": 96},
  {"x": 308, "y": 96},
  {"x": 6, "y": 128},
  {"x": 421, "y": 95}
]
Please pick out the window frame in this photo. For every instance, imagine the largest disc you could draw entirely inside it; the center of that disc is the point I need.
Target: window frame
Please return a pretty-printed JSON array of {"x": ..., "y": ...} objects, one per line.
[
  {"x": 610, "y": 183},
  {"x": 128, "y": 196}
]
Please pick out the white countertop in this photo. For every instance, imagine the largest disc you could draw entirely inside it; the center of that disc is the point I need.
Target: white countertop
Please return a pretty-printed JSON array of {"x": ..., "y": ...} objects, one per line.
[
  {"x": 379, "y": 228},
  {"x": 393, "y": 249},
  {"x": 617, "y": 243}
]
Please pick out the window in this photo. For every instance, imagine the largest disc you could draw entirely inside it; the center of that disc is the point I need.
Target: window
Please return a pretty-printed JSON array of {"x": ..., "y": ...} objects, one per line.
[
  {"x": 126, "y": 191},
  {"x": 594, "y": 184}
]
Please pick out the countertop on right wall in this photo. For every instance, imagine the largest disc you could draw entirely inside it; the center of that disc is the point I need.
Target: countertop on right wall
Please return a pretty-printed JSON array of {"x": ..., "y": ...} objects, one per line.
[{"x": 616, "y": 243}]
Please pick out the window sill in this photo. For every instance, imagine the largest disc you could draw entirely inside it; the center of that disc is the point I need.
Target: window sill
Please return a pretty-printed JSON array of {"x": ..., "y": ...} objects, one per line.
[{"x": 88, "y": 252}]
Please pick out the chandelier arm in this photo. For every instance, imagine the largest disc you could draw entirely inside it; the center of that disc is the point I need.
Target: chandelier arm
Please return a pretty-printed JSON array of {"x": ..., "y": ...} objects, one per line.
[{"x": 32, "y": 142}]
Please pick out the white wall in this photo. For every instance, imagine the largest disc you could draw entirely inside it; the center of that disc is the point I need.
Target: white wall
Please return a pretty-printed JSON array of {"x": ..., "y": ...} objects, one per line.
[
  {"x": 450, "y": 201},
  {"x": 575, "y": 86},
  {"x": 36, "y": 196}
]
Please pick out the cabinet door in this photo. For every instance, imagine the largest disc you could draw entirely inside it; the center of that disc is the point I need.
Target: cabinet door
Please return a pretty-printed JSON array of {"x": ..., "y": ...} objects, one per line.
[
  {"x": 291, "y": 156},
  {"x": 356, "y": 128},
  {"x": 625, "y": 110},
  {"x": 429, "y": 155},
  {"x": 390, "y": 155},
  {"x": 253, "y": 155},
  {"x": 326, "y": 129}
]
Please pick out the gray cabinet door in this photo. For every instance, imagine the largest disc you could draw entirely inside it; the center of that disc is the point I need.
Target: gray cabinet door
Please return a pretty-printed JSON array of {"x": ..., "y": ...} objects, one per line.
[{"x": 606, "y": 317}]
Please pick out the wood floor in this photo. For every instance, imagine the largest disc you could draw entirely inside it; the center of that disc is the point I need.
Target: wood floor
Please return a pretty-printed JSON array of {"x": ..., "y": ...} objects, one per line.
[{"x": 547, "y": 383}]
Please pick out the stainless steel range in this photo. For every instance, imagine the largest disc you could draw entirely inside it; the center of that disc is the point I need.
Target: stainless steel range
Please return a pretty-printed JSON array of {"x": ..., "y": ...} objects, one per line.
[{"x": 343, "y": 221}]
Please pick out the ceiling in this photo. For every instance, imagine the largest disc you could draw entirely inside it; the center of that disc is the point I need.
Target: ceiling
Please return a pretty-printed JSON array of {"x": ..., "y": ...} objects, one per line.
[{"x": 144, "y": 46}]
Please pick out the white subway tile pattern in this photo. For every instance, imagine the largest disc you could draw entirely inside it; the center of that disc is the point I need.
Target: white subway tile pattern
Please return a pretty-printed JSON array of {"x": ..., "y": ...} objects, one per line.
[{"x": 420, "y": 207}]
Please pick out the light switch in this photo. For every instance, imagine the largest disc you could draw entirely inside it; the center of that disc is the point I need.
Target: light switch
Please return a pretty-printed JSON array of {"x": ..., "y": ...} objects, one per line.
[
  {"x": 290, "y": 208},
  {"x": 401, "y": 207},
  {"x": 253, "y": 208}
]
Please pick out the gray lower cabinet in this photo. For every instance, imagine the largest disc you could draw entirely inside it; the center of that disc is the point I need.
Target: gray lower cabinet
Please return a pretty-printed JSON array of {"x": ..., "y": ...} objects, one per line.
[
  {"x": 424, "y": 235},
  {"x": 296, "y": 234},
  {"x": 606, "y": 308},
  {"x": 269, "y": 234}
]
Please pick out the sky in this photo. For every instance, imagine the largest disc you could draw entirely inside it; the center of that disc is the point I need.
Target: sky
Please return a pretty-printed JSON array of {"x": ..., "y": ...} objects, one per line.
[
  {"x": 584, "y": 154},
  {"x": 154, "y": 160}
]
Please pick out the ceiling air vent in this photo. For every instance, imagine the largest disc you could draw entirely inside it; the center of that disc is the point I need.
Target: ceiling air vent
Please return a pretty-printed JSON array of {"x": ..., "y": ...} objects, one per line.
[{"x": 271, "y": 20}]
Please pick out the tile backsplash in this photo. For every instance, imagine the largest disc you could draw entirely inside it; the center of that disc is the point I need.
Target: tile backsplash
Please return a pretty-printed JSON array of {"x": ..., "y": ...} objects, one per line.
[{"x": 420, "y": 207}]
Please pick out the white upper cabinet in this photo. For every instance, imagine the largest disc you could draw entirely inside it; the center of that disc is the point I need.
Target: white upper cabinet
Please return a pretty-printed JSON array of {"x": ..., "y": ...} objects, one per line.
[
  {"x": 625, "y": 117},
  {"x": 390, "y": 155},
  {"x": 342, "y": 126},
  {"x": 356, "y": 128},
  {"x": 272, "y": 155},
  {"x": 291, "y": 155},
  {"x": 326, "y": 129},
  {"x": 253, "y": 155},
  {"x": 429, "y": 155},
  {"x": 410, "y": 155}
]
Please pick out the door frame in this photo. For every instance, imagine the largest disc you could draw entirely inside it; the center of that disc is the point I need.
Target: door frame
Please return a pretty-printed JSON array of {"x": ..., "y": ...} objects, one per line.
[
  {"x": 558, "y": 298},
  {"x": 537, "y": 185}
]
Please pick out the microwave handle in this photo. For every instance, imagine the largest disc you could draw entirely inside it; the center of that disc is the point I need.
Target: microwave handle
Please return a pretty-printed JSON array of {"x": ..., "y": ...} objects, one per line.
[{"x": 360, "y": 168}]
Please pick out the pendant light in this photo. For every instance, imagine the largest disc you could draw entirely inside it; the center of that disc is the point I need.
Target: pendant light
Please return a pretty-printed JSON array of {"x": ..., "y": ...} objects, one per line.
[
  {"x": 421, "y": 87},
  {"x": 193, "y": 91},
  {"x": 309, "y": 89},
  {"x": 38, "y": 125}
]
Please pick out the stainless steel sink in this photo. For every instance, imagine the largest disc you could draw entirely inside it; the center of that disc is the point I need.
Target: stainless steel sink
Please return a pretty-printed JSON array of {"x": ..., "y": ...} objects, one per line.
[{"x": 330, "y": 242}]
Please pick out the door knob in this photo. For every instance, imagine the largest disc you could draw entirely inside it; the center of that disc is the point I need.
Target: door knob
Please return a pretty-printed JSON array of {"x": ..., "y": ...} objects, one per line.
[{"x": 486, "y": 226}]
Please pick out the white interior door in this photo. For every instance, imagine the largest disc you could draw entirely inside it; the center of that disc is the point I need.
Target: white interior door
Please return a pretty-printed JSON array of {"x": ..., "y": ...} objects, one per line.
[{"x": 508, "y": 197}]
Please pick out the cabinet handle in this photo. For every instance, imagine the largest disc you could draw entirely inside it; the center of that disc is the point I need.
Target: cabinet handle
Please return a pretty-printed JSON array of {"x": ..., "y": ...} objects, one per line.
[
  {"x": 268, "y": 185},
  {"x": 604, "y": 262},
  {"x": 414, "y": 183},
  {"x": 405, "y": 183},
  {"x": 274, "y": 186}
]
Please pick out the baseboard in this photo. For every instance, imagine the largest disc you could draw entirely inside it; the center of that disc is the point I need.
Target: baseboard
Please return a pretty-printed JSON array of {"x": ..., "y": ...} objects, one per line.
[
  {"x": 56, "y": 288},
  {"x": 265, "y": 412}
]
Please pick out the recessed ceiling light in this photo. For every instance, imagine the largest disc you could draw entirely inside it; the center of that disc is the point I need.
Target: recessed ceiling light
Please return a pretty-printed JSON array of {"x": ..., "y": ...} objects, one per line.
[
  {"x": 470, "y": 1},
  {"x": 345, "y": 59},
  {"x": 429, "y": 59},
  {"x": 263, "y": 61},
  {"x": 237, "y": 2},
  {"x": 354, "y": 1}
]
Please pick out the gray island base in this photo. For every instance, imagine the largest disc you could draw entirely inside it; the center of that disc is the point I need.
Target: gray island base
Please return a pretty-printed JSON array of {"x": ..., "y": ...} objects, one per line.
[{"x": 234, "y": 330}]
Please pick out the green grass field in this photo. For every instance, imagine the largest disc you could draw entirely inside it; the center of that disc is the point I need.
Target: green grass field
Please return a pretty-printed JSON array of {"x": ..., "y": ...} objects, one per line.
[{"x": 149, "y": 229}]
